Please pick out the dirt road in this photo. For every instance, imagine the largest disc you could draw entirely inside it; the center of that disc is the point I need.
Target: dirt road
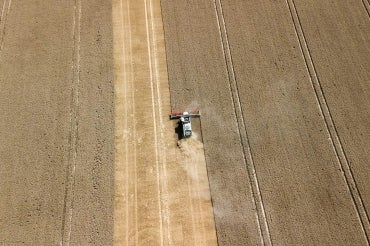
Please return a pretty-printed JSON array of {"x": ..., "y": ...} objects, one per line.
[
  {"x": 284, "y": 94},
  {"x": 162, "y": 191}
]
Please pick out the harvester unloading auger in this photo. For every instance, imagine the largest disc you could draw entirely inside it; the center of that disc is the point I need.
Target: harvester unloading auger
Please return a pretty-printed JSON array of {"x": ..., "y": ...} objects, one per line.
[{"x": 185, "y": 121}]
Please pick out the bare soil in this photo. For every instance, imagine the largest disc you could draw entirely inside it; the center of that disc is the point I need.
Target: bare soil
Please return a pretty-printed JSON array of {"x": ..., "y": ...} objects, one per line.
[{"x": 283, "y": 87}]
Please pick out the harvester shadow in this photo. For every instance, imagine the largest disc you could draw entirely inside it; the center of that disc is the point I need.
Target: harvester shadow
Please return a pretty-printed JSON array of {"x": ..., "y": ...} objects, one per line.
[{"x": 178, "y": 131}]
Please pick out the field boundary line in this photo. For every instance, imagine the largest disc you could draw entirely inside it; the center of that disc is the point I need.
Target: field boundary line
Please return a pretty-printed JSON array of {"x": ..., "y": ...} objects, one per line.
[
  {"x": 329, "y": 123},
  {"x": 3, "y": 21},
  {"x": 263, "y": 225},
  {"x": 74, "y": 124}
]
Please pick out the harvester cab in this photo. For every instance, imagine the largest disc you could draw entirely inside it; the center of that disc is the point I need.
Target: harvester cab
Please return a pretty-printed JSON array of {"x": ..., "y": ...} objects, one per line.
[{"x": 185, "y": 121}]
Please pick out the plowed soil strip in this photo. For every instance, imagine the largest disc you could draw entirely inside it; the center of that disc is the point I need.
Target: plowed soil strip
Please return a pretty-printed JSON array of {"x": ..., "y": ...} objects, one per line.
[
  {"x": 154, "y": 188},
  {"x": 330, "y": 126}
]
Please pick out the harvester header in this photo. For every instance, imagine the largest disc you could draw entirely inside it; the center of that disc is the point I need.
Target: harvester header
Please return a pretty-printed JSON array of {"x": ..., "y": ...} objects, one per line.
[{"x": 185, "y": 120}]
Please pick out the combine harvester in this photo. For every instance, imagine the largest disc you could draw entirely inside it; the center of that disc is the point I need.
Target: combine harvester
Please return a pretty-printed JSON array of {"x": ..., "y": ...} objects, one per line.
[{"x": 185, "y": 121}]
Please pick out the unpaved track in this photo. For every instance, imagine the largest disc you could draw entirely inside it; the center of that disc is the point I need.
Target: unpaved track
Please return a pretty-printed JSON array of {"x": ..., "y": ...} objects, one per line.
[
  {"x": 162, "y": 191},
  {"x": 305, "y": 191},
  {"x": 56, "y": 124}
]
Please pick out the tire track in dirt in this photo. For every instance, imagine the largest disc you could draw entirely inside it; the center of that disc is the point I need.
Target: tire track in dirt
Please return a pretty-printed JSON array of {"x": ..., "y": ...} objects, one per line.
[
  {"x": 74, "y": 123},
  {"x": 3, "y": 19},
  {"x": 329, "y": 122},
  {"x": 247, "y": 154},
  {"x": 158, "y": 134},
  {"x": 152, "y": 47},
  {"x": 366, "y": 4},
  {"x": 134, "y": 117},
  {"x": 125, "y": 96},
  {"x": 133, "y": 114},
  {"x": 2, "y": 11}
]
